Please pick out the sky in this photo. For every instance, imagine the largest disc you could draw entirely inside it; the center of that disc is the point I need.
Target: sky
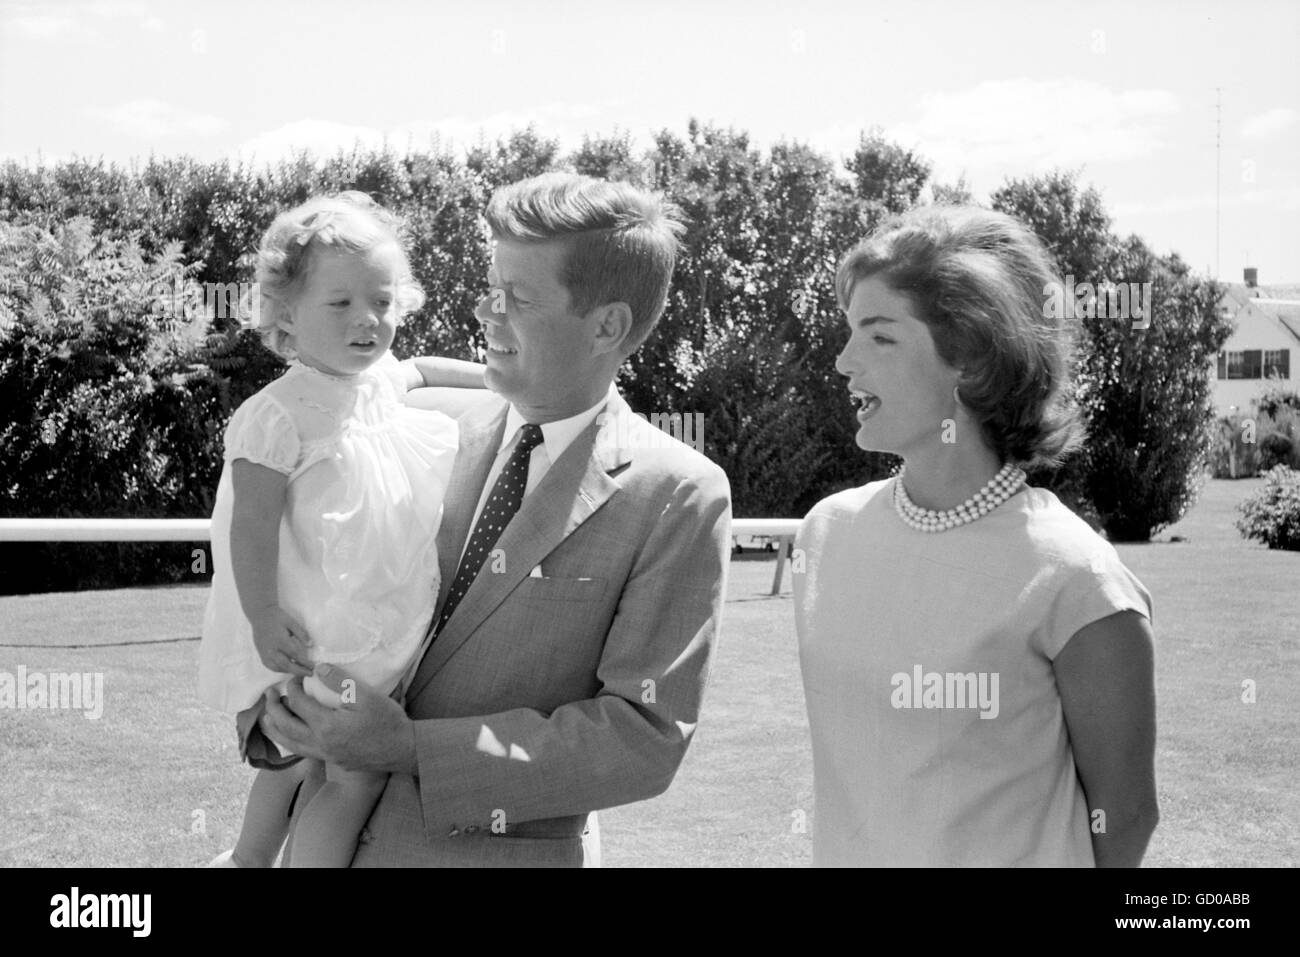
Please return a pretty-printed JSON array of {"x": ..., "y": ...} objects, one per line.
[{"x": 1124, "y": 93}]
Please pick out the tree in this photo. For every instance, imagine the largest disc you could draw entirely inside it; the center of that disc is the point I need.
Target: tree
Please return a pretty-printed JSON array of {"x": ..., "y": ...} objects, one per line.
[
  {"x": 1147, "y": 396},
  {"x": 522, "y": 154},
  {"x": 1072, "y": 222},
  {"x": 886, "y": 173},
  {"x": 611, "y": 158},
  {"x": 955, "y": 194},
  {"x": 1144, "y": 394}
]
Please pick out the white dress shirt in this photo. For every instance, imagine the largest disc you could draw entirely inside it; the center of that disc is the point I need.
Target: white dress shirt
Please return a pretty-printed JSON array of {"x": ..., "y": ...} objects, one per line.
[{"x": 556, "y": 437}]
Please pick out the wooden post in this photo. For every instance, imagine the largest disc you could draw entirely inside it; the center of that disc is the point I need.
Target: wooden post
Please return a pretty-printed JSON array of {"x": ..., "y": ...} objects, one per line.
[{"x": 787, "y": 542}]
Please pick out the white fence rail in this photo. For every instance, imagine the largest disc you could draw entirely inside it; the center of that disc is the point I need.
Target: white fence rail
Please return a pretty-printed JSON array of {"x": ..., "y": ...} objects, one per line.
[
  {"x": 105, "y": 530},
  {"x": 782, "y": 530}
]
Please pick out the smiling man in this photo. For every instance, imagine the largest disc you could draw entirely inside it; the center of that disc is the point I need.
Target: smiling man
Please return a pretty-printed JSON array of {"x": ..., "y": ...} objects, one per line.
[{"x": 583, "y": 566}]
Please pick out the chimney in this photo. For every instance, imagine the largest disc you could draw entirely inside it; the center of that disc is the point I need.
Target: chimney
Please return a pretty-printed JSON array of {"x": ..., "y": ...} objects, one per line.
[{"x": 1252, "y": 277}]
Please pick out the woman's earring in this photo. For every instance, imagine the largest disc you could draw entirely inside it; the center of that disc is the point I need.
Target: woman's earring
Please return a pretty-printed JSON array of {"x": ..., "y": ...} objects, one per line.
[{"x": 955, "y": 397}]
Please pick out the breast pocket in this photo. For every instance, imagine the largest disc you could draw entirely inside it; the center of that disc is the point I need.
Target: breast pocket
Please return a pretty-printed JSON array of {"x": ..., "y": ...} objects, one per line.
[{"x": 562, "y": 589}]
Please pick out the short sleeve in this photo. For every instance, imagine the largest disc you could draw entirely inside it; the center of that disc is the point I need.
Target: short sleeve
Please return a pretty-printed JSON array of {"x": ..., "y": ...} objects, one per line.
[
  {"x": 262, "y": 432},
  {"x": 1096, "y": 588},
  {"x": 389, "y": 368}
]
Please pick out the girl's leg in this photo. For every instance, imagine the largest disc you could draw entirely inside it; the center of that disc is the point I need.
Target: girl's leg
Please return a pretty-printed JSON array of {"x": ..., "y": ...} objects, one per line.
[
  {"x": 266, "y": 818},
  {"x": 326, "y": 835},
  {"x": 313, "y": 781}
]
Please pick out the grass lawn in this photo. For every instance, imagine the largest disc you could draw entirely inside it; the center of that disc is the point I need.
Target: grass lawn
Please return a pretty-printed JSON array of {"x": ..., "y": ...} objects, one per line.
[{"x": 156, "y": 781}]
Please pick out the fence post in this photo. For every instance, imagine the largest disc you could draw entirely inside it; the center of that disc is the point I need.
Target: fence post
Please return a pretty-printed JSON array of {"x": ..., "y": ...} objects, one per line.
[{"x": 787, "y": 542}]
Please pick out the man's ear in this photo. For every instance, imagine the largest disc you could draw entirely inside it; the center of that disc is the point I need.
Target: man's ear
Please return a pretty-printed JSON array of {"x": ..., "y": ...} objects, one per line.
[{"x": 613, "y": 327}]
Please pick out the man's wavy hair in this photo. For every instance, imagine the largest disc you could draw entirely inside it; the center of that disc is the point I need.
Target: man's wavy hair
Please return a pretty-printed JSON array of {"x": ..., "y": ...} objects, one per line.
[
  {"x": 622, "y": 242},
  {"x": 979, "y": 281},
  {"x": 350, "y": 222}
]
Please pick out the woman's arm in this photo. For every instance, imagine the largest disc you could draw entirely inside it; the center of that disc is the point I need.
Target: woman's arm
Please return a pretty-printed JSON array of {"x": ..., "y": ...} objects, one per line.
[
  {"x": 1106, "y": 678},
  {"x": 439, "y": 371},
  {"x": 282, "y": 642}
]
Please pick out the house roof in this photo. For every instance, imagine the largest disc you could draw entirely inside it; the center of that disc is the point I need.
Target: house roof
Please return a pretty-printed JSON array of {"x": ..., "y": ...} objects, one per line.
[
  {"x": 1289, "y": 292},
  {"x": 1285, "y": 291},
  {"x": 1286, "y": 312}
]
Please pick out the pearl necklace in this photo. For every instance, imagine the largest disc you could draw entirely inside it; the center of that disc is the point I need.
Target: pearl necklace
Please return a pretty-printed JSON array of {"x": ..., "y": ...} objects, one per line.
[{"x": 999, "y": 488}]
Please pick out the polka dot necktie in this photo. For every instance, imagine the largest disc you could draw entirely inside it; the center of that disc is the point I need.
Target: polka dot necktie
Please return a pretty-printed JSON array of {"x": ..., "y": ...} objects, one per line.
[{"x": 500, "y": 507}]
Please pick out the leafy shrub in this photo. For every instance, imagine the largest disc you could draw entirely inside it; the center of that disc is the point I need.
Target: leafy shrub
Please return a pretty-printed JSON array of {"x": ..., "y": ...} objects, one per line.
[
  {"x": 1276, "y": 398},
  {"x": 1279, "y": 430},
  {"x": 1272, "y": 514},
  {"x": 1244, "y": 446},
  {"x": 1276, "y": 448},
  {"x": 1232, "y": 455},
  {"x": 103, "y": 413}
]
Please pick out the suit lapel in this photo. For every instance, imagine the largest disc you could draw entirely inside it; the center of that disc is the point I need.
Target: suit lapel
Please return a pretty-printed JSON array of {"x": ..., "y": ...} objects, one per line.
[
  {"x": 480, "y": 439},
  {"x": 574, "y": 489},
  {"x": 480, "y": 433}
]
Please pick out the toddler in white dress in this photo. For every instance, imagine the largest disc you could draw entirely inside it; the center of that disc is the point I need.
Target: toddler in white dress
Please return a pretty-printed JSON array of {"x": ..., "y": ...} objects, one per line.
[{"x": 327, "y": 508}]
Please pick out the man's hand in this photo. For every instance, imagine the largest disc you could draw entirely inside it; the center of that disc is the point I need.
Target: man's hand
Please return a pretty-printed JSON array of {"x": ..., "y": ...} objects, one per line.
[{"x": 369, "y": 732}]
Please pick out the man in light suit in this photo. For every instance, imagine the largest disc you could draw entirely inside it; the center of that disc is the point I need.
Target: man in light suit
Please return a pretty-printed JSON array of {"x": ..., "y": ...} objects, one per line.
[{"x": 569, "y": 674}]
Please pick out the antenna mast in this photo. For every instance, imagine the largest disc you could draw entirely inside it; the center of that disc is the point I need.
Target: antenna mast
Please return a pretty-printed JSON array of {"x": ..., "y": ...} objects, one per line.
[{"x": 1218, "y": 179}]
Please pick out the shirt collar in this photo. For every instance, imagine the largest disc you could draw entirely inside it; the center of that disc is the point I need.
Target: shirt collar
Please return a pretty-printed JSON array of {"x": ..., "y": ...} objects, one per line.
[{"x": 557, "y": 435}]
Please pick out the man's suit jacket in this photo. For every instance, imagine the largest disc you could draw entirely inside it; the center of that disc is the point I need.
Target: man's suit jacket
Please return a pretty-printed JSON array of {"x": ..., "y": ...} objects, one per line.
[{"x": 545, "y": 698}]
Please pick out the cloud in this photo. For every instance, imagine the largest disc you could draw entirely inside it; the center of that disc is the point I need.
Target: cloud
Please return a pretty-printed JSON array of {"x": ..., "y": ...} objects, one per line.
[
  {"x": 116, "y": 9},
  {"x": 44, "y": 20},
  {"x": 38, "y": 21},
  {"x": 1187, "y": 202},
  {"x": 316, "y": 137},
  {"x": 1267, "y": 125},
  {"x": 37, "y": 159},
  {"x": 153, "y": 119},
  {"x": 566, "y": 122},
  {"x": 1009, "y": 127},
  {"x": 1284, "y": 198}
]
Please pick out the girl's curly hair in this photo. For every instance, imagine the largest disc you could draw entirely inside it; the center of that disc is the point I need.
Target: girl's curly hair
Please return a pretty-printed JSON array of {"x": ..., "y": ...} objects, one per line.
[{"x": 350, "y": 221}]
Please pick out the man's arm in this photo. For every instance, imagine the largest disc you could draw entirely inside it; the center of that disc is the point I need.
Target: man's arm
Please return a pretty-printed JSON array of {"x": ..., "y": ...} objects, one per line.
[{"x": 626, "y": 743}]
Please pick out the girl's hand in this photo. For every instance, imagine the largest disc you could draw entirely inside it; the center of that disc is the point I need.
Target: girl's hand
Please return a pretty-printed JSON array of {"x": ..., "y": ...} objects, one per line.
[{"x": 282, "y": 643}]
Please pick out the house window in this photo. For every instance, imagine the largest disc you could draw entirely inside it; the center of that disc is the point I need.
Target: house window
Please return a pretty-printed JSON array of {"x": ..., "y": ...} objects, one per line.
[
  {"x": 1247, "y": 364},
  {"x": 1277, "y": 362}
]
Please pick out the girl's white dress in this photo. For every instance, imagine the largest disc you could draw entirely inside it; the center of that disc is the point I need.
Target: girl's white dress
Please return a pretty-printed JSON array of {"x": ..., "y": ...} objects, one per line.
[{"x": 358, "y": 567}]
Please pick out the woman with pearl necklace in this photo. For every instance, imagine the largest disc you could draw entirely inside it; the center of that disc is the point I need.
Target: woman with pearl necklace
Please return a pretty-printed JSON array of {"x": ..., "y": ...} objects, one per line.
[{"x": 953, "y": 576}]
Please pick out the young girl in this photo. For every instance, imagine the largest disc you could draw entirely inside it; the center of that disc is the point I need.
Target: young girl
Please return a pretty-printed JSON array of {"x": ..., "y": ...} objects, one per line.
[{"x": 327, "y": 508}]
